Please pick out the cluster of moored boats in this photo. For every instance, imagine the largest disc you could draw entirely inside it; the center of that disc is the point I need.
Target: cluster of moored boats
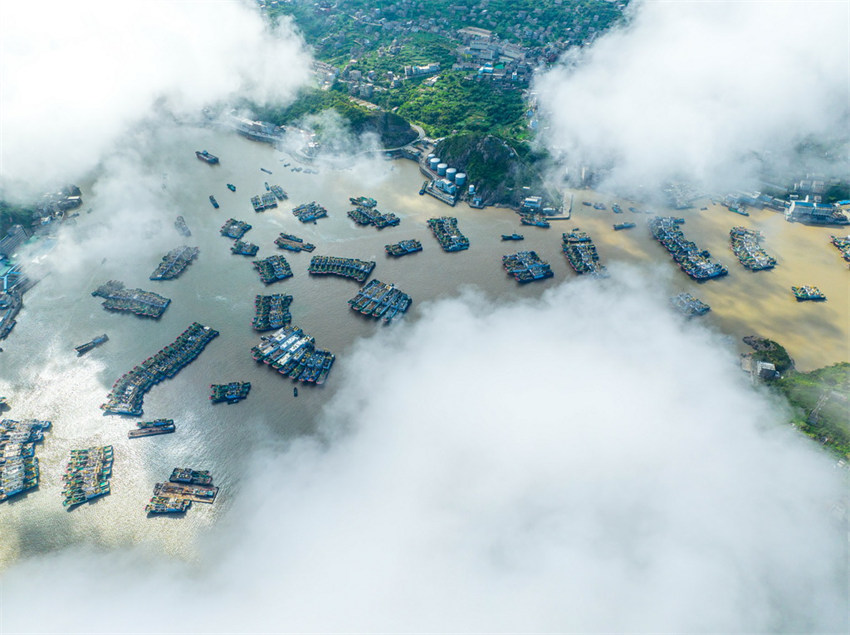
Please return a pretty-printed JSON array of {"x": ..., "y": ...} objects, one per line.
[
  {"x": 380, "y": 300},
  {"x": 137, "y": 301},
  {"x": 262, "y": 202},
  {"x": 175, "y": 262},
  {"x": 87, "y": 475},
  {"x": 241, "y": 248},
  {"x": 152, "y": 428},
  {"x": 290, "y": 242},
  {"x": 688, "y": 305},
  {"x": 351, "y": 268},
  {"x": 535, "y": 219},
  {"x": 526, "y": 266},
  {"x": 233, "y": 228},
  {"x": 309, "y": 212},
  {"x": 365, "y": 213},
  {"x": 581, "y": 253},
  {"x": 129, "y": 390},
  {"x": 183, "y": 487},
  {"x": 746, "y": 245},
  {"x": 693, "y": 261},
  {"x": 272, "y": 312},
  {"x": 293, "y": 354},
  {"x": 808, "y": 292},
  {"x": 18, "y": 463},
  {"x": 272, "y": 269},
  {"x": 403, "y": 247},
  {"x": 842, "y": 243},
  {"x": 231, "y": 392},
  {"x": 182, "y": 227},
  {"x": 446, "y": 232}
]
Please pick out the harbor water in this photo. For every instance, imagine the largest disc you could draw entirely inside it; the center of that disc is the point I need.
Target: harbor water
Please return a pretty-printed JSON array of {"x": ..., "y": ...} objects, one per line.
[{"x": 126, "y": 225}]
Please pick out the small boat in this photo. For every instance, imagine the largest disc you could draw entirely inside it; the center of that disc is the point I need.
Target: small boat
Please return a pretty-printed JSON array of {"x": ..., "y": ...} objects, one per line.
[
  {"x": 231, "y": 187},
  {"x": 513, "y": 237},
  {"x": 619, "y": 226},
  {"x": 213, "y": 201},
  {"x": 266, "y": 183},
  {"x": 205, "y": 156},
  {"x": 295, "y": 391},
  {"x": 265, "y": 170}
]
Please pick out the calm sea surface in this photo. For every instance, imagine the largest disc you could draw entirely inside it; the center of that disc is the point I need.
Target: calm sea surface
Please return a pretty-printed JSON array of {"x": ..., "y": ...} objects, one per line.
[{"x": 42, "y": 377}]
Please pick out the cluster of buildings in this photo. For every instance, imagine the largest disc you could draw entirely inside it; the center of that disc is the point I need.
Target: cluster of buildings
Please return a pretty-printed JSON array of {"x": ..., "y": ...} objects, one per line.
[{"x": 809, "y": 210}]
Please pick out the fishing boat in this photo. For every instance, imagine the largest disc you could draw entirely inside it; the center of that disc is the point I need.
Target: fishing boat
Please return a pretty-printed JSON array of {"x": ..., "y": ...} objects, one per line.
[
  {"x": 619, "y": 226},
  {"x": 513, "y": 237},
  {"x": 82, "y": 349},
  {"x": 213, "y": 201},
  {"x": 807, "y": 292},
  {"x": 205, "y": 156},
  {"x": 231, "y": 187}
]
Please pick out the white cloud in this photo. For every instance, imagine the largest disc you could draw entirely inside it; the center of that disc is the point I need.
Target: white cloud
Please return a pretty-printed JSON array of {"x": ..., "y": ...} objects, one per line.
[
  {"x": 78, "y": 75},
  {"x": 694, "y": 88},
  {"x": 585, "y": 462}
]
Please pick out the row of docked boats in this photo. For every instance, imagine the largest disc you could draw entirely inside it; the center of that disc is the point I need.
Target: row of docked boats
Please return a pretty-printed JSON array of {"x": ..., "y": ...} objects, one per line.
[
  {"x": 182, "y": 227},
  {"x": 230, "y": 392},
  {"x": 371, "y": 216},
  {"x": 87, "y": 475},
  {"x": 526, "y": 266},
  {"x": 292, "y": 353},
  {"x": 690, "y": 258},
  {"x": 137, "y": 301},
  {"x": 403, "y": 247},
  {"x": 271, "y": 312},
  {"x": 842, "y": 243},
  {"x": 290, "y": 242},
  {"x": 513, "y": 237},
  {"x": 234, "y": 229},
  {"x": 688, "y": 305},
  {"x": 363, "y": 201},
  {"x": 272, "y": 269},
  {"x": 184, "y": 487},
  {"x": 128, "y": 391},
  {"x": 352, "y": 268},
  {"x": 808, "y": 293},
  {"x": 581, "y": 253},
  {"x": 262, "y": 202},
  {"x": 242, "y": 248},
  {"x": 309, "y": 212},
  {"x": 380, "y": 300},
  {"x": 175, "y": 262},
  {"x": 151, "y": 428},
  {"x": 446, "y": 232},
  {"x": 18, "y": 463},
  {"x": 746, "y": 245}
]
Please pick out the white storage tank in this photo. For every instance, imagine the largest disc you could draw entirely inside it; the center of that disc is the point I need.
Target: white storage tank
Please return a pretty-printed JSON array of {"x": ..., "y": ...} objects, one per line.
[
  {"x": 433, "y": 162},
  {"x": 441, "y": 169},
  {"x": 471, "y": 189},
  {"x": 460, "y": 178},
  {"x": 450, "y": 174}
]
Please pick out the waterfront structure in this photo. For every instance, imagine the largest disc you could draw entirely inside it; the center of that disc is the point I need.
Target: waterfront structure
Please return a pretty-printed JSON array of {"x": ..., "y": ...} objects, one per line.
[
  {"x": 581, "y": 253},
  {"x": 87, "y": 475},
  {"x": 174, "y": 263},
  {"x": 693, "y": 261},
  {"x": 746, "y": 246},
  {"x": 526, "y": 266},
  {"x": 380, "y": 300},
  {"x": 272, "y": 269},
  {"x": 272, "y": 312},
  {"x": 293, "y": 354},
  {"x": 129, "y": 390},
  {"x": 351, "y": 268},
  {"x": 138, "y": 301},
  {"x": 815, "y": 213},
  {"x": 18, "y": 463},
  {"x": 446, "y": 232}
]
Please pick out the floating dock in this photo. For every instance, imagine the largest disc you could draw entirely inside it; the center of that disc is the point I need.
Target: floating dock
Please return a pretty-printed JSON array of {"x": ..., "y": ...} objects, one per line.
[
  {"x": 581, "y": 253},
  {"x": 241, "y": 248},
  {"x": 82, "y": 349},
  {"x": 272, "y": 312},
  {"x": 18, "y": 463},
  {"x": 746, "y": 245},
  {"x": 272, "y": 269},
  {"x": 233, "y": 228},
  {"x": 293, "y": 354},
  {"x": 526, "y": 266},
  {"x": 182, "y": 227},
  {"x": 380, "y": 300},
  {"x": 129, "y": 390},
  {"x": 689, "y": 306},
  {"x": 175, "y": 262},
  {"x": 447, "y": 234},
  {"x": 693, "y": 261},
  {"x": 137, "y": 301},
  {"x": 87, "y": 475},
  {"x": 403, "y": 247},
  {"x": 231, "y": 393},
  {"x": 152, "y": 428},
  {"x": 309, "y": 212},
  {"x": 291, "y": 242},
  {"x": 351, "y": 268}
]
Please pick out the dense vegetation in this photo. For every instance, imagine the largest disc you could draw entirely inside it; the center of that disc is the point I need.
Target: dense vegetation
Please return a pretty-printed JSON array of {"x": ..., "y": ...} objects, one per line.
[
  {"x": 498, "y": 168},
  {"x": 765, "y": 350},
  {"x": 821, "y": 402},
  {"x": 13, "y": 215}
]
